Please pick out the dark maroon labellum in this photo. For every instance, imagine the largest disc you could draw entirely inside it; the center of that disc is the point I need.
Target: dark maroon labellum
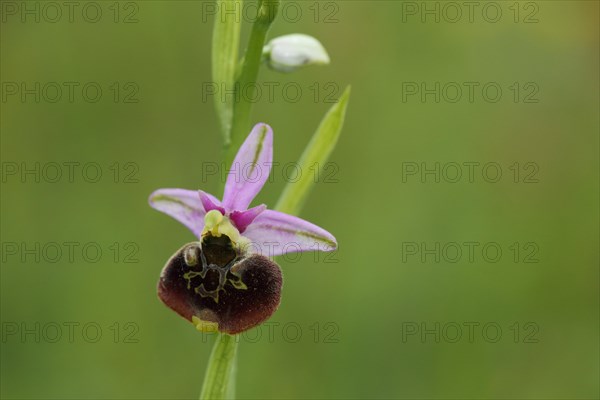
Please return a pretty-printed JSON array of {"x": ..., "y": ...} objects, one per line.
[{"x": 213, "y": 282}]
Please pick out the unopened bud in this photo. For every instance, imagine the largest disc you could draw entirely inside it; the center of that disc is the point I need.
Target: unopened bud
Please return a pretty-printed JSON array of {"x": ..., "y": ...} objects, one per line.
[{"x": 290, "y": 52}]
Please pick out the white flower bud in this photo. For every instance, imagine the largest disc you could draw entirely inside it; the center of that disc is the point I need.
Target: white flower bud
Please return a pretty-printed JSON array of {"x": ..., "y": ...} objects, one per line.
[{"x": 290, "y": 52}]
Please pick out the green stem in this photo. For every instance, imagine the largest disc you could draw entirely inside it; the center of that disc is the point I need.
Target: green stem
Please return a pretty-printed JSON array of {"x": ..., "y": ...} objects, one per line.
[
  {"x": 219, "y": 381},
  {"x": 246, "y": 83},
  {"x": 225, "y": 48}
]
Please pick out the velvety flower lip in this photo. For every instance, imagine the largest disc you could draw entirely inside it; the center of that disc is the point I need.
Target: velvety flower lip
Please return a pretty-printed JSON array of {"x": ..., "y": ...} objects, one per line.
[
  {"x": 215, "y": 288},
  {"x": 266, "y": 230}
]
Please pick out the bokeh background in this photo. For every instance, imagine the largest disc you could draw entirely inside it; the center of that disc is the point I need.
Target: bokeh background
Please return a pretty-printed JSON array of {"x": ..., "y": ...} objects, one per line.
[{"x": 355, "y": 328}]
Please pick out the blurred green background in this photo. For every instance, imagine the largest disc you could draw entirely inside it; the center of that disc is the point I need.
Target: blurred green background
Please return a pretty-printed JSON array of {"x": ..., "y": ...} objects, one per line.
[{"x": 357, "y": 328}]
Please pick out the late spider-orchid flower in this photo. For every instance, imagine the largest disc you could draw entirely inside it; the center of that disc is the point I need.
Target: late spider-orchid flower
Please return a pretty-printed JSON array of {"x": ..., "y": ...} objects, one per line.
[{"x": 225, "y": 281}]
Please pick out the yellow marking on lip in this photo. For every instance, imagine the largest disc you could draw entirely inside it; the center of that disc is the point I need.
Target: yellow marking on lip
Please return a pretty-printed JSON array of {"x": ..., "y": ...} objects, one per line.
[{"x": 205, "y": 326}]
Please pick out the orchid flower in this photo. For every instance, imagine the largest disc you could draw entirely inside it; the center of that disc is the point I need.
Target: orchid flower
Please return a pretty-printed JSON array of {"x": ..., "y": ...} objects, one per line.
[{"x": 224, "y": 282}]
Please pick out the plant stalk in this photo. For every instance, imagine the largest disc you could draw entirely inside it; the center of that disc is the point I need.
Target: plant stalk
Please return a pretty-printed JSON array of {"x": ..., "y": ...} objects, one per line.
[
  {"x": 219, "y": 380},
  {"x": 245, "y": 86}
]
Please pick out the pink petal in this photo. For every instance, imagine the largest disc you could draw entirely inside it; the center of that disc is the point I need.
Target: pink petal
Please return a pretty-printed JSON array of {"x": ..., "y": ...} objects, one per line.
[
  {"x": 242, "y": 219},
  {"x": 210, "y": 202},
  {"x": 274, "y": 233},
  {"x": 183, "y": 205},
  {"x": 250, "y": 169}
]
